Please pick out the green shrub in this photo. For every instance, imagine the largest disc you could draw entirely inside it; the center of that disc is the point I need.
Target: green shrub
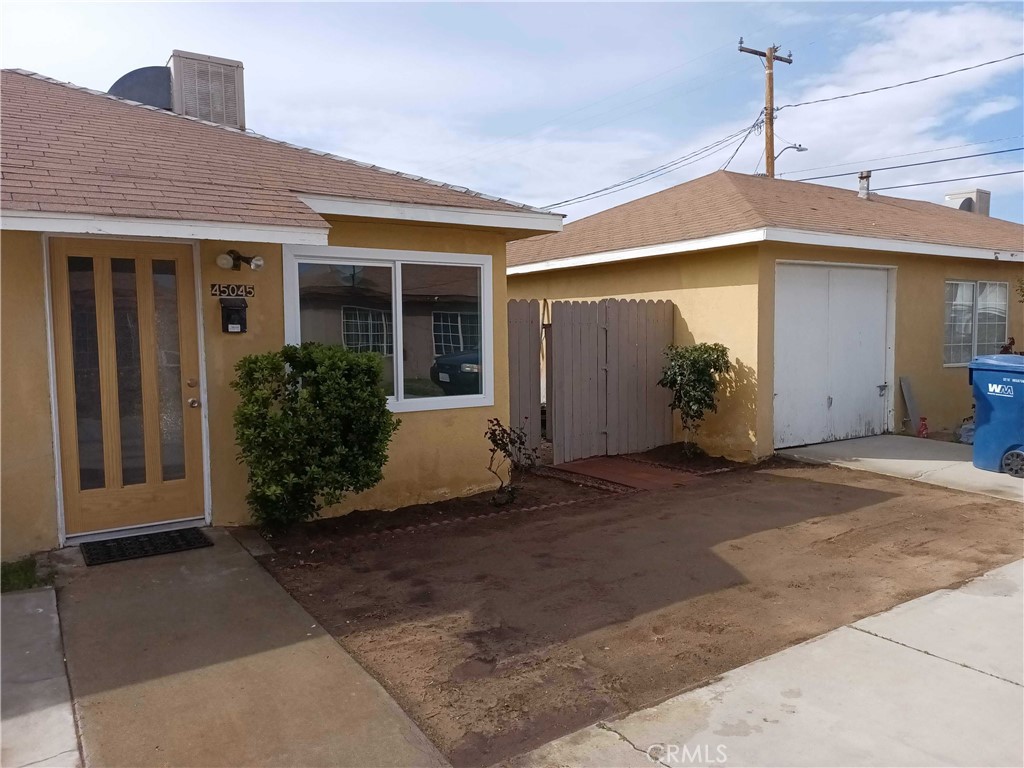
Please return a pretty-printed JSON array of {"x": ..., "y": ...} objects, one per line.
[
  {"x": 312, "y": 425},
  {"x": 691, "y": 374}
]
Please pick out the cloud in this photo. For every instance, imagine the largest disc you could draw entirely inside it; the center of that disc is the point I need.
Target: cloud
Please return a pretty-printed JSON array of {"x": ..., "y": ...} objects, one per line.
[
  {"x": 883, "y": 49},
  {"x": 501, "y": 98},
  {"x": 991, "y": 108}
]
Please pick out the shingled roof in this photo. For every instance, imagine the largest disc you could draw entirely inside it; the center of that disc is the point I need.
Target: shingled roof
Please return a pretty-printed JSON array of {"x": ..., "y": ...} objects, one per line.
[
  {"x": 725, "y": 202},
  {"x": 71, "y": 150}
]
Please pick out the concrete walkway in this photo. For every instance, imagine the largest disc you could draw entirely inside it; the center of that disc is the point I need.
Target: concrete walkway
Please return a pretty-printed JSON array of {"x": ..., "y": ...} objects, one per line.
[
  {"x": 936, "y": 681},
  {"x": 927, "y": 461},
  {"x": 38, "y": 722},
  {"x": 201, "y": 659}
]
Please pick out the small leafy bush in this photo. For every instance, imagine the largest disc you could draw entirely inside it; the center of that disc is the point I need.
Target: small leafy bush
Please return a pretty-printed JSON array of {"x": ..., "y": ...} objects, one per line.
[
  {"x": 509, "y": 448},
  {"x": 691, "y": 374},
  {"x": 312, "y": 425}
]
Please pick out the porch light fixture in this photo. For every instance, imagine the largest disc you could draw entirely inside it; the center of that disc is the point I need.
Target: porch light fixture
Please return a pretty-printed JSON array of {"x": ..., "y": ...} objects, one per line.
[{"x": 233, "y": 260}]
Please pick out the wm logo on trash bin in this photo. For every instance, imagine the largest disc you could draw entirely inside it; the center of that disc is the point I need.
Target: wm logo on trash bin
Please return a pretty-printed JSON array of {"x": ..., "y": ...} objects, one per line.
[{"x": 1000, "y": 390}]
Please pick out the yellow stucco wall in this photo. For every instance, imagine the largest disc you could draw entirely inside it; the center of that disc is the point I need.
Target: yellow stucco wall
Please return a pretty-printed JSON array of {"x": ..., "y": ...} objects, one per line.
[
  {"x": 265, "y": 332},
  {"x": 942, "y": 393},
  {"x": 28, "y": 496},
  {"x": 716, "y": 300},
  {"x": 433, "y": 455}
]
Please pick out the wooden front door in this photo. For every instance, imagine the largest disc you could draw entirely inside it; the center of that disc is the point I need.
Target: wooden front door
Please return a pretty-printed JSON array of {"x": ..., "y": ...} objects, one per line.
[{"x": 127, "y": 383}]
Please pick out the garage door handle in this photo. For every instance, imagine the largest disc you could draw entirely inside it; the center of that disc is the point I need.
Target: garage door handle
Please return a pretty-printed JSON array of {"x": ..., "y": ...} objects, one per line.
[
  {"x": 882, "y": 389},
  {"x": 830, "y": 401}
]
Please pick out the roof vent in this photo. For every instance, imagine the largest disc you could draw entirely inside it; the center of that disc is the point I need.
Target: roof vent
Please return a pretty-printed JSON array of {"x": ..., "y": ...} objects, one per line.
[
  {"x": 208, "y": 88},
  {"x": 972, "y": 201},
  {"x": 865, "y": 184}
]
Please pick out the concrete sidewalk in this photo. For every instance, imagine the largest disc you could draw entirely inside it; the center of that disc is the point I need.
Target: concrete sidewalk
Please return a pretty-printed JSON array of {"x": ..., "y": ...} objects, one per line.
[
  {"x": 201, "y": 659},
  {"x": 928, "y": 461},
  {"x": 38, "y": 722},
  {"x": 936, "y": 681}
]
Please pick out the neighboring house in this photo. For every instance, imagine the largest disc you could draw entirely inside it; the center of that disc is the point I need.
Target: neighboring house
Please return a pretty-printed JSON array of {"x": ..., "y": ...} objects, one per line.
[
  {"x": 826, "y": 299},
  {"x": 121, "y": 222}
]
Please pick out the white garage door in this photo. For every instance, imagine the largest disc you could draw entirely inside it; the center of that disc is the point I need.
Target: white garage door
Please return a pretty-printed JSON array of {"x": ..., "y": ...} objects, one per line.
[{"x": 830, "y": 353}]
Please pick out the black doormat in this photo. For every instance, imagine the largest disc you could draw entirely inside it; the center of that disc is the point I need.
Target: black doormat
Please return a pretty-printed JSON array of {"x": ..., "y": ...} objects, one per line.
[{"x": 145, "y": 545}]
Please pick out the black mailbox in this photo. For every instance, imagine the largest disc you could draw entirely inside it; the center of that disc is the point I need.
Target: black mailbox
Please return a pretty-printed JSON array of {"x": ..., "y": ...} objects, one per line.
[{"x": 232, "y": 315}]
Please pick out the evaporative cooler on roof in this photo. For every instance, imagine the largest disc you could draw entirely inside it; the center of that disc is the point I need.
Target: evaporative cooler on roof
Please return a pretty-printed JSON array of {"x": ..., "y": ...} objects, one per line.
[{"x": 208, "y": 88}]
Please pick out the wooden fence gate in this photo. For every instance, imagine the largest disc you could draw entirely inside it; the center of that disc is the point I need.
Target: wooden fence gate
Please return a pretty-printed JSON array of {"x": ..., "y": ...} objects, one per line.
[{"x": 600, "y": 365}]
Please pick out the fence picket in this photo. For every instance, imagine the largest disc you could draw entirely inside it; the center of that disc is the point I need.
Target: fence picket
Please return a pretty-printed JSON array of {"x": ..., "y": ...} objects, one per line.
[{"x": 603, "y": 362}]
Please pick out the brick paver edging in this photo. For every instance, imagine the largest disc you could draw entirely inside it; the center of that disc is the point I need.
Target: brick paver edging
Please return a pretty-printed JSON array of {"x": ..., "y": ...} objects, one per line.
[
  {"x": 677, "y": 468},
  {"x": 611, "y": 488}
]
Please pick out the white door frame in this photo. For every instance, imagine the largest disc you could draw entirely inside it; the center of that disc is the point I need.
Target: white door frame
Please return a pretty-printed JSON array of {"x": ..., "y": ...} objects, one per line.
[
  {"x": 51, "y": 359},
  {"x": 890, "y": 329}
]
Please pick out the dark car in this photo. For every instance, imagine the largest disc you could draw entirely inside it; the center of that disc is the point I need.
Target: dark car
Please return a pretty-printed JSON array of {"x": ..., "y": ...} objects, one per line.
[{"x": 457, "y": 373}]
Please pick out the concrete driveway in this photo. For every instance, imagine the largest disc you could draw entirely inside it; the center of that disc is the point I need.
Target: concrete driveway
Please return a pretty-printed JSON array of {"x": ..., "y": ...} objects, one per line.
[
  {"x": 927, "y": 461},
  {"x": 936, "y": 681}
]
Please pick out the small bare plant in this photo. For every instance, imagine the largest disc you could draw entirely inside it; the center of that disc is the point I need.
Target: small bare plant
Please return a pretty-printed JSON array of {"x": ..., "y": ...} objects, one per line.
[{"x": 509, "y": 450}]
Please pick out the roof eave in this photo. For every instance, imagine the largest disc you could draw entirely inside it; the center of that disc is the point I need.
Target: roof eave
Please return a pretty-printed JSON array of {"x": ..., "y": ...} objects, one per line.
[
  {"x": 771, "y": 234},
  {"x": 530, "y": 222},
  {"x": 178, "y": 229}
]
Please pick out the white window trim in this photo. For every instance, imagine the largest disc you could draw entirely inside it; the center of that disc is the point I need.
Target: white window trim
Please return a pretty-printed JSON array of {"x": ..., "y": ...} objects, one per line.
[
  {"x": 378, "y": 257},
  {"x": 974, "y": 319}
]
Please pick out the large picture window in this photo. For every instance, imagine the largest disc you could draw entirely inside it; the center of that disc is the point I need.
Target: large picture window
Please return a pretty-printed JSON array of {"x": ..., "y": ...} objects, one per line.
[
  {"x": 428, "y": 315},
  {"x": 350, "y": 305},
  {"x": 975, "y": 320}
]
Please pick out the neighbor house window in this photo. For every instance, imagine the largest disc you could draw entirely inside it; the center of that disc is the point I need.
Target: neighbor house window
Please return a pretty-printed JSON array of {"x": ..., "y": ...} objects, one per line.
[
  {"x": 368, "y": 330},
  {"x": 455, "y": 332},
  {"x": 427, "y": 315},
  {"x": 975, "y": 320}
]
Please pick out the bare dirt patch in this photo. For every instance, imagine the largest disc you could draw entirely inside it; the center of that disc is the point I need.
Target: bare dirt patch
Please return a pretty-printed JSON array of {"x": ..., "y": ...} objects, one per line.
[
  {"x": 499, "y": 634},
  {"x": 547, "y": 487},
  {"x": 676, "y": 455}
]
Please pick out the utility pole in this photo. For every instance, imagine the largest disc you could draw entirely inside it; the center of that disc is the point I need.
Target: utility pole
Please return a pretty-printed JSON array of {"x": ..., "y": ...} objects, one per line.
[{"x": 770, "y": 57}]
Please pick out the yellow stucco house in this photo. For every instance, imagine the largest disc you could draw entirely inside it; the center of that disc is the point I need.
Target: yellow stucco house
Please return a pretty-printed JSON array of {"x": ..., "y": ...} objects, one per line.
[
  {"x": 830, "y": 301},
  {"x": 147, "y": 247}
]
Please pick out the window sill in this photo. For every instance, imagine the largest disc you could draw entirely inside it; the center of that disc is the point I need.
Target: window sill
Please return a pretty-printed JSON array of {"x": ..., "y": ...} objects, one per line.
[
  {"x": 439, "y": 403},
  {"x": 955, "y": 365}
]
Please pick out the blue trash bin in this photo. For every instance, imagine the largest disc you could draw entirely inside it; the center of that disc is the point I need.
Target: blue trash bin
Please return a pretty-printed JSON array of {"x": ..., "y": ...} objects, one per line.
[{"x": 998, "y": 385}]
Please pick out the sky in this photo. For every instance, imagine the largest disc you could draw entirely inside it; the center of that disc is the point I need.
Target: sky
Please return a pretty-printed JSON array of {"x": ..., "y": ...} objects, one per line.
[{"x": 542, "y": 102}]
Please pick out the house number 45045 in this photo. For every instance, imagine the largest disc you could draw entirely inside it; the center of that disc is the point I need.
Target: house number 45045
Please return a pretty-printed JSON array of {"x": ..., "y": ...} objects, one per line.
[{"x": 232, "y": 290}]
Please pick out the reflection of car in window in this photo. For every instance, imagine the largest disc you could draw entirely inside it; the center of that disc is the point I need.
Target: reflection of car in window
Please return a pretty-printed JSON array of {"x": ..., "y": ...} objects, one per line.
[{"x": 457, "y": 373}]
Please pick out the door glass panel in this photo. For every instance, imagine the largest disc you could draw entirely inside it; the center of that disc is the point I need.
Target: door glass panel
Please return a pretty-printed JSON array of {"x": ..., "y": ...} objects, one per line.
[
  {"x": 85, "y": 351},
  {"x": 168, "y": 360},
  {"x": 129, "y": 371}
]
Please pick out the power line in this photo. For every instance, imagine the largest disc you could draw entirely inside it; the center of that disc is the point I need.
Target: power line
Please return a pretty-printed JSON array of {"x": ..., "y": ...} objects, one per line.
[
  {"x": 511, "y": 143},
  {"x": 893, "y": 157},
  {"x": 750, "y": 130},
  {"x": 653, "y": 173},
  {"x": 914, "y": 165},
  {"x": 900, "y": 85},
  {"x": 947, "y": 181},
  {"x": 484, "y": 150}
]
